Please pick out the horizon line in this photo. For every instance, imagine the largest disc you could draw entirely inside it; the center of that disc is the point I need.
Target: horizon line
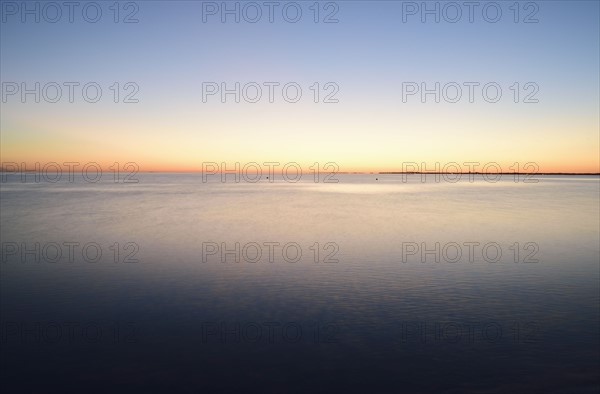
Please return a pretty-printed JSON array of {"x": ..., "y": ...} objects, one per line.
[{"x": 2, "y": 170}]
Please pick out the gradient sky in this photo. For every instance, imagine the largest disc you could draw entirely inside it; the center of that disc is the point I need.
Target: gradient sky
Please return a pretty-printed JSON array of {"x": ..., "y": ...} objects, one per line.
[{"x": 368, "y": 54}]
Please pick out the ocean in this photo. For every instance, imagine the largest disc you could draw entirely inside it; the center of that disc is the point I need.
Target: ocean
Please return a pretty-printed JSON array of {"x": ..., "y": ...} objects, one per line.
[{"x": 374, "y": 283}]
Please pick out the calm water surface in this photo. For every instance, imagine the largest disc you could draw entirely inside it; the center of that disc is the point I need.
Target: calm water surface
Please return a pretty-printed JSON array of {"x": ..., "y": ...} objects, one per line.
[{"x": 305, "y": 287}]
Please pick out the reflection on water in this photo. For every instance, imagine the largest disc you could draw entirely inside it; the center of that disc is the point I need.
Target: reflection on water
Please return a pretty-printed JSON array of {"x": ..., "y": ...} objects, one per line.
[{"x": 366, "y": 284}]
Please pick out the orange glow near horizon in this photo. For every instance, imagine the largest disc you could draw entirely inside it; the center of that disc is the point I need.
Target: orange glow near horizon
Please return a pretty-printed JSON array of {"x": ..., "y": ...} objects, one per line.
[
  {"x": 307, "y": 167},
  {"x": 358, "y": 144}
]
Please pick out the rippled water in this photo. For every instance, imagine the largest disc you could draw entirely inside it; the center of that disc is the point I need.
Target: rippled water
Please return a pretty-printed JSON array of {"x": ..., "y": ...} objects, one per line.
[{"x": 331, "y": 291}]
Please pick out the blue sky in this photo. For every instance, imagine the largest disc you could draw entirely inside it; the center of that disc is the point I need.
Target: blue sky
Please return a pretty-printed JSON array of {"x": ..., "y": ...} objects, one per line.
[{"x": 369, "y": 53}]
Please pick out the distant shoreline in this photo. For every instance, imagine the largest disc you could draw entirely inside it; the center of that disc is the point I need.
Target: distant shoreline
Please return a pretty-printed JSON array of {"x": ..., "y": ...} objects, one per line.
[{"x": 489, "y": 173}]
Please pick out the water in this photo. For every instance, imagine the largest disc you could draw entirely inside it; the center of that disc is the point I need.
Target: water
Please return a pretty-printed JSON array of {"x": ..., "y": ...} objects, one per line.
[{"x": 331, "y": 292}]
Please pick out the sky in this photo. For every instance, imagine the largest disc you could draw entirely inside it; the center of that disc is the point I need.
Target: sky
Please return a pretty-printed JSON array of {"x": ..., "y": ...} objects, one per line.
[{"x": 369, "y": 62}]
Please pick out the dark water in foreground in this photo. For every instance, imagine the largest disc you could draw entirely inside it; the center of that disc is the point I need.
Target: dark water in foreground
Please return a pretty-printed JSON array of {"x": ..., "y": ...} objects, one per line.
[{"x": 111, "y": 287}]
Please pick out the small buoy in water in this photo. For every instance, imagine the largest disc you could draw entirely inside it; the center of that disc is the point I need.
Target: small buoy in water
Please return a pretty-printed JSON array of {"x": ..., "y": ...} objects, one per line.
[
  {"x": 376, "y": 179},
  {"x": 267, "y": 177}
]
